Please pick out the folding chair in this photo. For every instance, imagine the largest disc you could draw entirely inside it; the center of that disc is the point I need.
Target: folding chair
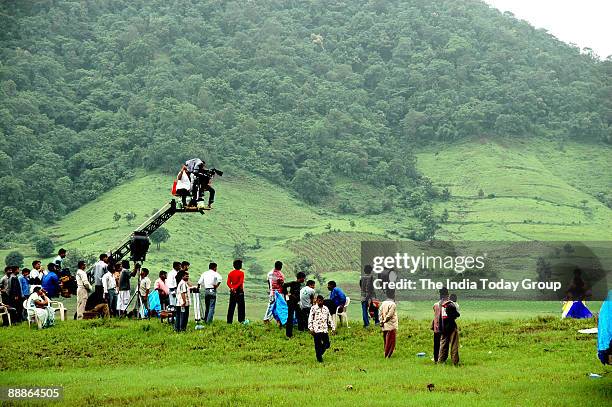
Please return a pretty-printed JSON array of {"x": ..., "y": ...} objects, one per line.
[
  {"x": 32, "y": 315},
  {"x": 339, "y": 316},
  {"x": 59, "y": 306},
  {"x": 4, "y": 311}
]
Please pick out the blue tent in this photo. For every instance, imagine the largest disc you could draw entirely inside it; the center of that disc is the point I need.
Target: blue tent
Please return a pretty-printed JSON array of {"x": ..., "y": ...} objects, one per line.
[{"x": 604, "y": 329}]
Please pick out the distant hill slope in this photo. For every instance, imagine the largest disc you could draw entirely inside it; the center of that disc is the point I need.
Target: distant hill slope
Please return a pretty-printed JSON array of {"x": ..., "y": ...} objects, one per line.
[{"x": 531, "y": 189}]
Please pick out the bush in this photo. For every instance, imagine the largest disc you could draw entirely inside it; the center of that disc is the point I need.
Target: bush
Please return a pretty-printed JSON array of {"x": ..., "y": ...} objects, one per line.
[
  {"x": 14, "y": 258},
  {"x": 44, "y": 247}
]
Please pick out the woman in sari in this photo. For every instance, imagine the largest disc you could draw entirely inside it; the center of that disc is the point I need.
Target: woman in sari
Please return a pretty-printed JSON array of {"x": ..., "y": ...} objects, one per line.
[{"x": 39, "y": 302}]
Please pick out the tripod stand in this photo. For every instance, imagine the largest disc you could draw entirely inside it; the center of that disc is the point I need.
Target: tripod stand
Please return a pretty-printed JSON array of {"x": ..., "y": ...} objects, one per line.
[{"x": 197, "y": 307}]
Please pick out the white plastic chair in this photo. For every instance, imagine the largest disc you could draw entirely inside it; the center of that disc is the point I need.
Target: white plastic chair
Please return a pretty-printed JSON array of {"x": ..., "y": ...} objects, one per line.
[
  {"x": 4, "y": 311},
  {"x": 343, "y": 315},
  {"x": 59, "y": 306},
  {"x": 32, "y": 315}
]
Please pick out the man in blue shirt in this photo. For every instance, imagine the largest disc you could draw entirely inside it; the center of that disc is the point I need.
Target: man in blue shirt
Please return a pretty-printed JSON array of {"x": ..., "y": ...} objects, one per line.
[
  {"x": 337, "y": 298},
  {"x": 50, "y": 282},
  {"x": 24, "y": 279}
]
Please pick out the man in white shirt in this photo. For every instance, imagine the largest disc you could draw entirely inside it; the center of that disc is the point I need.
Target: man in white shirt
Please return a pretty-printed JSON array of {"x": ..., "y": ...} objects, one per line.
[
  {"x": 109, "y": 287},
  {"x": 99, "y": 269},
  {"x": 210, "y": 280},
  {"x": 59, "y": 260},
  {"x": 83, "y": 288},
  {"x": 36, "y": 273},
  {"x": 319, "y": 321},
  {"x": 182, "y": 304},
  {"x": 144, "y": 289},
  {"x": 172, "y": 283},
  {"x": 307, "y": 296}
]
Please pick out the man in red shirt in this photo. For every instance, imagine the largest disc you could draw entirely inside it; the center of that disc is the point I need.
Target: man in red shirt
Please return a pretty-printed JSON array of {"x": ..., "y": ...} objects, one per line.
[{"x": 235, "y": 282}]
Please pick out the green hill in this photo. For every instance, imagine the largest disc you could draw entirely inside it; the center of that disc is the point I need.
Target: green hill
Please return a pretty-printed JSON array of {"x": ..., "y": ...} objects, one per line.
[
  {"x": 531, "y": 189},
  {"x": 310, "y": 95}
]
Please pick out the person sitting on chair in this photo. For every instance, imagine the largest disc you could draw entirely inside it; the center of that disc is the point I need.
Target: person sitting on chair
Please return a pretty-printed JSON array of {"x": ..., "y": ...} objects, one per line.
[
  {"x": 337, "y": 298},
  {"x": 39, "y": 302}
]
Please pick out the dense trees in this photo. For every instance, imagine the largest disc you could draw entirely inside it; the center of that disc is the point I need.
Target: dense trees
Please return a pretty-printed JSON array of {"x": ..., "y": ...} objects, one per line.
[{"x": 299, "y": 92}]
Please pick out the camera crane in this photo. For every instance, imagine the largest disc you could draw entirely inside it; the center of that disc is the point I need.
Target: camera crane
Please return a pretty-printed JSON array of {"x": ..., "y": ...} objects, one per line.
[{"x": 138, "y": 242}]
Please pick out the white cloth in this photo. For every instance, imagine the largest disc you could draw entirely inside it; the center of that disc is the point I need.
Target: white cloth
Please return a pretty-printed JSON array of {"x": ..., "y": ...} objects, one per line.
[
  {"x": 184, "y": 182},
  {"x": 46, "y": 315},
  {"x": 123, "y": 299},
  {"x": 209, "y": 279},
  {"x": 34, "y": 274},
  {"x": 108, "y": 282},
  {"x": 193, "y": 164}
]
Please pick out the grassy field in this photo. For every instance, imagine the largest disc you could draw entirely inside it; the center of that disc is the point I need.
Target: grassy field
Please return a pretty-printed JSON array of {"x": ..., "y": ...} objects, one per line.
[{"x": 540, "y": 361}]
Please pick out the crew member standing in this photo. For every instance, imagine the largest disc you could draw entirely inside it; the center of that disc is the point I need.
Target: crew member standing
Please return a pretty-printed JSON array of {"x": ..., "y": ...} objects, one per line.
[
  {"x": 182, "y": 304},
  {"x": 235, "y": 282},
  {"x": 210, "y": 280},
  {"x": 388, "y": 324},
  {"x": 292, "y": 289},
  {"x": 99, "y": 269},
  {"x": 83, "y": 288}
]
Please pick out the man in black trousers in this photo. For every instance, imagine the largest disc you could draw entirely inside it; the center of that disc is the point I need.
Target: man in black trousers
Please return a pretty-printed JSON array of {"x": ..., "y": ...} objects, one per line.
[
  {"x": 319, "y": 322},
  {"x": 293, "y": 301}
]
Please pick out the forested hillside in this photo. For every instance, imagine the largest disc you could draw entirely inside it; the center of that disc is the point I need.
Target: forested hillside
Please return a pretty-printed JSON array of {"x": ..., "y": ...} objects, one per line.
[{"x": 304, "y": 93}]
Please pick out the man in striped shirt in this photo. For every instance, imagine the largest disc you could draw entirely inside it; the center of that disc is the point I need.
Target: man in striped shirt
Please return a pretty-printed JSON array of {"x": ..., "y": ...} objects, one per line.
[{"x": 319, "y": 321}]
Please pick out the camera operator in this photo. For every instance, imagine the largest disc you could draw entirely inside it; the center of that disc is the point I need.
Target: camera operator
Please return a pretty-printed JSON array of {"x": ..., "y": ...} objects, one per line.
[{"x": 202, "y": 182}]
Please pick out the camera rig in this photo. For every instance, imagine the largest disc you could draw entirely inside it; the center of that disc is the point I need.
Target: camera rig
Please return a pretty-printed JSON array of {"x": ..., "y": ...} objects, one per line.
[{"x": 138, "y": 243}]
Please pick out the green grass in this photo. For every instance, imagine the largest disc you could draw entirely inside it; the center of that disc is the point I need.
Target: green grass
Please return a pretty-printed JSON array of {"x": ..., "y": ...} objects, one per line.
[{"x": 540, "y": 361}]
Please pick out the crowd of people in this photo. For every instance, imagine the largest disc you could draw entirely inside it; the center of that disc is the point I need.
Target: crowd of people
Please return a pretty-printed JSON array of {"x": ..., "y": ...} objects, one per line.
[
  {"x": 106, "y": 291},
  {"x": 27, "y": 291}
]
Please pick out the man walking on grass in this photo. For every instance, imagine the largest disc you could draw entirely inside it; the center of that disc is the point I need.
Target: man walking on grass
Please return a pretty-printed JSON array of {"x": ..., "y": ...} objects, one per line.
[
  {"x": 388, "y": 324},
  {"x": 436, "y": 323},
  {"x": 235, "y": 282},
  {"x": 319, "y": 321},
  {"x": 450, "y": 333}
]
